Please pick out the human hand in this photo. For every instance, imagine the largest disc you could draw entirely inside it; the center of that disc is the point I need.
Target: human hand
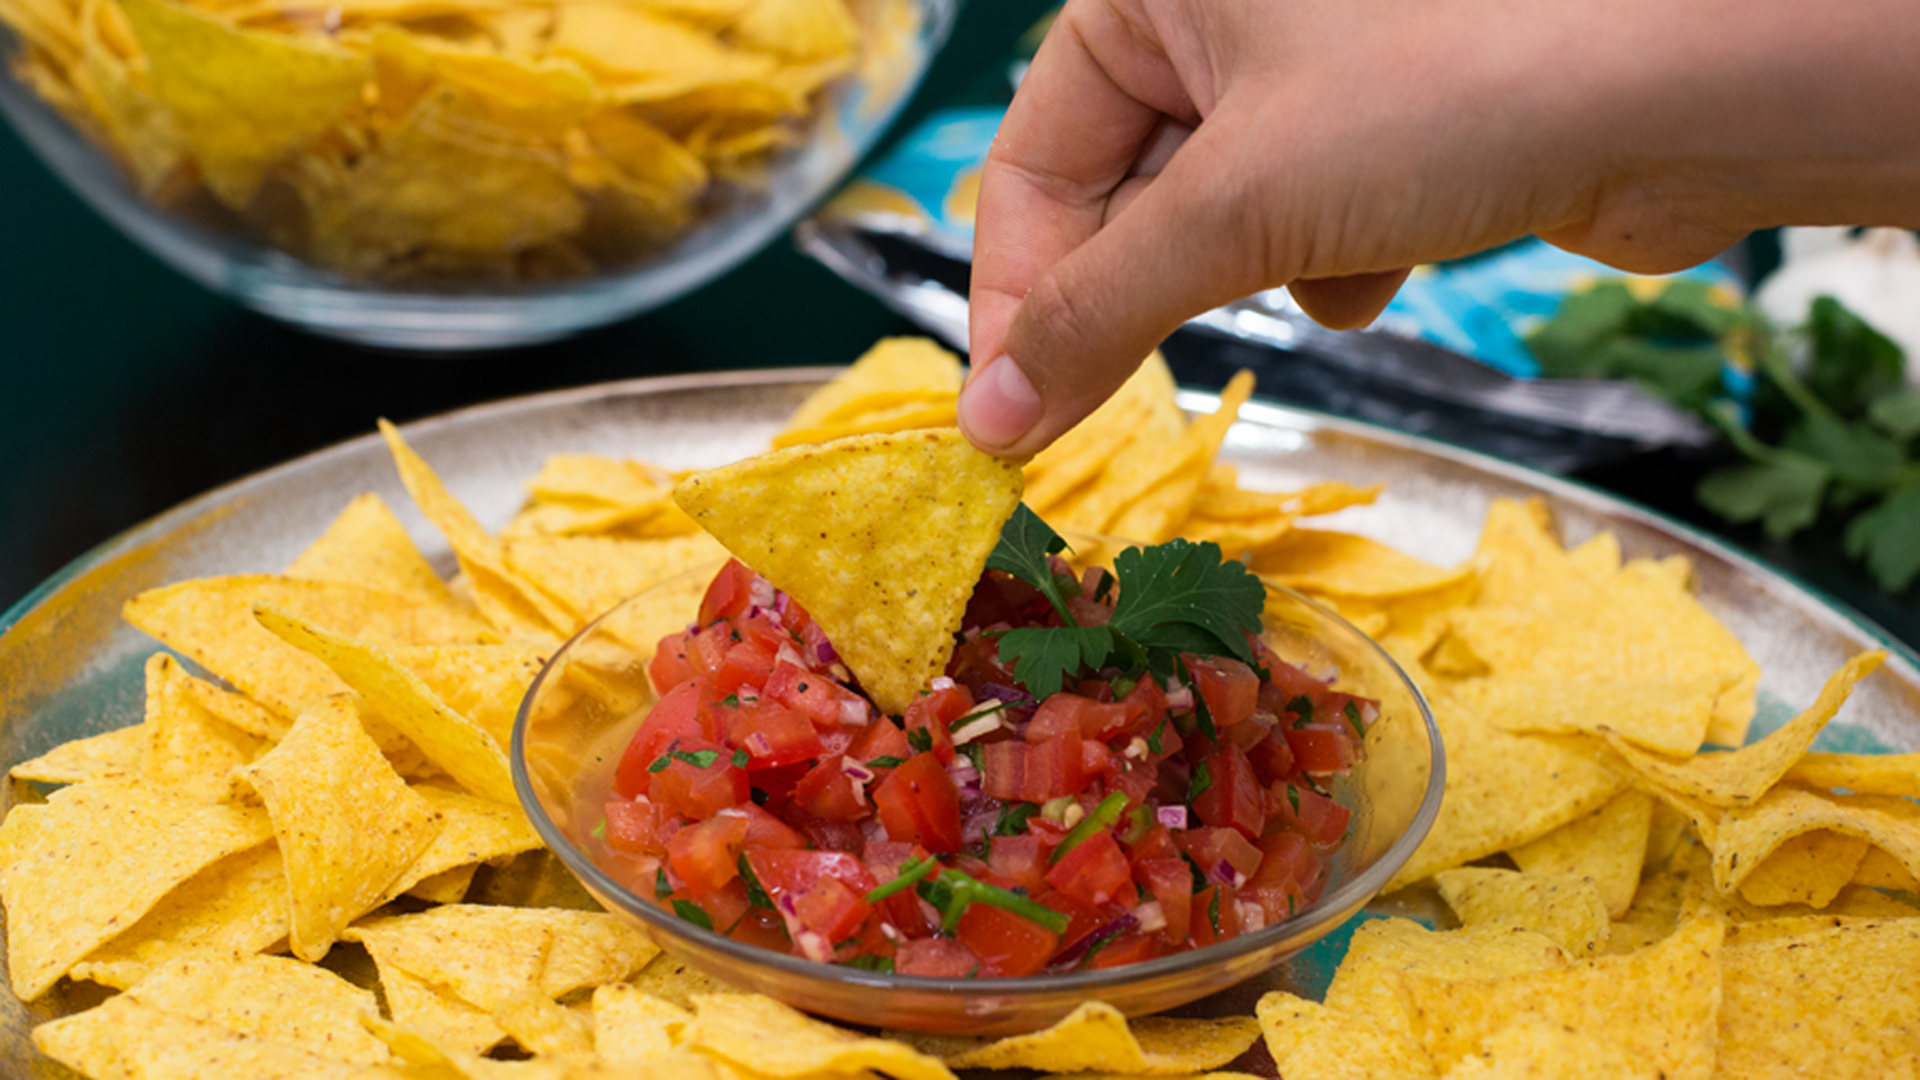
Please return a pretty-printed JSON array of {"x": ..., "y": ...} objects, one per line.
[{"x": 1166, "y": 156}]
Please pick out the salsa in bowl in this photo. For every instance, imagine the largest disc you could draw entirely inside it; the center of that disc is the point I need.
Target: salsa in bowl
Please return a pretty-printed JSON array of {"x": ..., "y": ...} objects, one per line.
[{"x": 1022, "y": 839}]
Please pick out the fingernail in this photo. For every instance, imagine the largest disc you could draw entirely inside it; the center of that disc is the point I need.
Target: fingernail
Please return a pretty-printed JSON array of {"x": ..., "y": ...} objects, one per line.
[{"x": 999, "y": 405}]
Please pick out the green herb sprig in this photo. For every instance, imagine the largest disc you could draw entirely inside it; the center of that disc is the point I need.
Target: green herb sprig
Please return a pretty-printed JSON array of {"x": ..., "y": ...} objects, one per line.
[{"x": 1174, "y": 597}]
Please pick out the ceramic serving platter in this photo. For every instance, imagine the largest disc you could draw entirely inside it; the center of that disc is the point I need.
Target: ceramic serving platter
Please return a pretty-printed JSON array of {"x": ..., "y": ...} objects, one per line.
[{"x": 69, "y": 667}]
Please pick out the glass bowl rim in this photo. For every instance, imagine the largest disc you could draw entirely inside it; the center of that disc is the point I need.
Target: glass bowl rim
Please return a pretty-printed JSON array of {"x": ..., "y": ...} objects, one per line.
[{"x": 1349, "y": 895}]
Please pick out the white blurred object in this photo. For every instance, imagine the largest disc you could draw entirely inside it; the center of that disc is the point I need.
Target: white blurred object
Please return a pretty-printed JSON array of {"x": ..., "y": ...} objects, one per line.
[{"x": 1876, "y": 275}]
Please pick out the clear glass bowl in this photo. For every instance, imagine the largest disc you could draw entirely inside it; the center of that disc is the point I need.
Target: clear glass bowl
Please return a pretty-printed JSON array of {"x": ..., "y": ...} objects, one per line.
[
  {"x": 735, "y": 219},
  {"x": 584, "y": 707}
]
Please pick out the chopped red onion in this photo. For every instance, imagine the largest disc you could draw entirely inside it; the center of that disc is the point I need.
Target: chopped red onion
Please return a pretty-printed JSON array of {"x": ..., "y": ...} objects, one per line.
[
  {"x": 1225, "y": 874},
  {"x": 1012, "y": 695},
  {"x": 1369, "y": 712},
  {"x": 942, "y": 682},
  {"x": 1150, "y": 916},
  {"x": 792, "y": 656},
  {"x": 873, "y": 832},
  {"x": 1252, "y": 915},
  {"x": 814, "y": 946},
  {"x": 759, "y": 745},
  {"x": 782, "y": 603},
  {"x": 1173, "y": 817},
  {"x": 1071, "y": 955},
  {"x": 857, "y": 771},
  {"x": 760, "y": 593},
  {"x": 786, "y": 903},
  {"x": 974, "y": 828},
  {"x": 1180, "y": 698},
  {"x": 825, "y": 652},
  {"x": 854, "y": 712}
]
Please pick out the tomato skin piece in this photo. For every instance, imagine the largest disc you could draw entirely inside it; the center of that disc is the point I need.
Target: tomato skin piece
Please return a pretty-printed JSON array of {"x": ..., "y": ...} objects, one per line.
[
  {"x": 816, "y": 697},
  {"x": 1127, "y": 949},
  {"x": 1272, "y": 757},
  {"x": 919, "y": 804},
  {"x": 1094, "y": 872},
  {"x": 1317, "y": 817},
  {"x": 695, "y": 793},
  {"x": 1205, "y": 930},
  {"x": 1019, "y": 860},
  {"x": 769, "y": 832},
  {"x": 1155, "y": 843},
  {"x": 831, "y": 909},
  {"x": 706, "y": 856},
  {"x": 1008, "y": 945},
  {"x": 1321, "y": 748},
  {"x": 935, "y": 958},
  {"x": 1231, "y": 688},
  {"x": 708, "y": 649},
  {"x": 640, "y": 828},
  {"x": 1170, "y": 881},
  {"x": 746, "y": 664},
  {"x": 1035, "y": 772},
  {"x": 670, "y": 666},
  {"x": 934, "y": 712},
  {"x": 764, "y": 929},
  {"x": 1289, "y": 877},
  {"x": 1146, "y": 706},
  {"x": 728, "y": 594},
  {"x": 882, "y": 738},
  {"x": 1064, "y": 712},
  {"x": 1234, "y": 798},
  {"x": 1209, "y": 847},
  {"x": 772, "y": 735},
  {"x": 828, "y": 792},
  {"x": 673, "y": 719}
]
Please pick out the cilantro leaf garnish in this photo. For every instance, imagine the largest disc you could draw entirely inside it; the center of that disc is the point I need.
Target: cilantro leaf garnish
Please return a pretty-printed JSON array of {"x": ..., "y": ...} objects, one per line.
[
  {"x": 756, "y": 893},
  {"x": 693, "y": 913},
  {"x": 1174, "y": 597},
  {"x": 699, "y": 759},
  {"x": 662, "y": 888}
]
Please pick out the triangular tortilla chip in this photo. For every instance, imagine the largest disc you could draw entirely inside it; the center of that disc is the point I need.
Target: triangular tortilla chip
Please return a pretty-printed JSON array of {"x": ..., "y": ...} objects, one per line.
[
  {"x": 483, "y": 683},
  {"x": 367, "y": 546},
  {"x": 881, "y": 538},
  {"x": 1608, "y": 846},
  {"x": 110, "y": 753},
  {"x": 267, "y": 997},
  {"x": 189, "y": 750},
  {"x": 347, "y": 824},
  {"x": 468, "y": 754},
  {"x": 595, "y": 573},
  {"x": 237, "y": 905},
  {"x": 473, "y": 830}
]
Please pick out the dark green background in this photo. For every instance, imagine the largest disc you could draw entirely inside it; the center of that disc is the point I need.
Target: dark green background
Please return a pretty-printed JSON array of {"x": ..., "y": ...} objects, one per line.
[{"x": 125, "y": 388}]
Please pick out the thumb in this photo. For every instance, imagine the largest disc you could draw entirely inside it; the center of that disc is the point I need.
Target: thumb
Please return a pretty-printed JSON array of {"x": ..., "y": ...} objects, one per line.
[{"x": 1193, "y": 239}]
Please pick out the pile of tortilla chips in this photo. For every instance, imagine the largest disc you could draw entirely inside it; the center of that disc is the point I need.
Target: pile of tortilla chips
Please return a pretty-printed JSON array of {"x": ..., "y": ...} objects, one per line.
[
  {"x": 320, "y": 776},
  {"x": 449, "y": 139}
]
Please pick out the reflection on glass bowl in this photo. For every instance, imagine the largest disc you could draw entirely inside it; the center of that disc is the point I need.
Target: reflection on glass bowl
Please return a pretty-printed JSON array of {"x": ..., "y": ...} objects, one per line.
[
  {"x": 457, "y": 174},
  {"x": 585, "y": 705}
]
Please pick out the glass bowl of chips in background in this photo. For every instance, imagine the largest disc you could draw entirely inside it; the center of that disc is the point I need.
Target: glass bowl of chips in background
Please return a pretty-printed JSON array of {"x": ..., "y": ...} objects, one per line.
[
  {"x": 457, "y": 174},
  {"x": 584, "y": 707}
]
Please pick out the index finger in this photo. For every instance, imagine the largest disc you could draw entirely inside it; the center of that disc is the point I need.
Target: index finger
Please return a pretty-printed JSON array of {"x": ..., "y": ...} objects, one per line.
[{"x": 1089, "y": 100}]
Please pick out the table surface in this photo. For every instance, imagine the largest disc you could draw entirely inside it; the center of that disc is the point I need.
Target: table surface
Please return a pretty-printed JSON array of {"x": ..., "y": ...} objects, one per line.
[{"x": 125, "y": 388}]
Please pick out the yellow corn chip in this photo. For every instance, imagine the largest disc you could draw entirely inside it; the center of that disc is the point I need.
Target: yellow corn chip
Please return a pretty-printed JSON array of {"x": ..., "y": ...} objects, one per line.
[
  {"x": 266, "y": 997},
  {"x": 631, "y": 1026},
  {"x": 590, "y": 478},
  {"x": 515, "y": 606},
  {"x": 347, "y": 824},
  {"x": 1152, "y": 511},
  {"x": 591, "y": 948},
  {"x": 1565, "y": 908},
  {"x": 1833, "y": 1003},
  {"x": 189, "y": 750},
  {"x": 1667, "y": 716},
  {"x": 1859, "y": 774},
  {"x": 449, "y": 740},
  {"x": 542, "y": 1026},
  {"x": 1880, "y": 870},
  {"x": 1738, "y": 777},
  {"x": 593, "y": 574},
  {"x": 1504, "y": 791},
  {"x": 1341, "y": 564},
  {"x": 473, "y": 830},
  {"x": 887, "y": 578},
  {"x": 367, "y": 546},
  {"x": 895, "y": 372},
  {"x": 1607, "y": 847},
  {"x": 483, "y": 683},
  {"x": 1533, "y": 1048},
  {"x": 677, "y": 982},
  {"x": 97, "y": 856},
  {"x": 656, "y": 56},
  {"x": 155, "y": 1045},
  {"x": 1747, "y": 836},
  {"x": 1225, "y": 502},
  {"x": 1366, "y": 984},
  {"x": 116, "y": 753},
  {"x": 1310, "y": 1041},
  {"x": 1810, "y": 869},
  {"x": 1095, "y": 1037},
  {"x": 84, "y": 1041},
  {"x": 237, "y": 905},
  {"x": 798, "y": 29},
  {"x": 1141, "y": 410},
  {"x": 445, "y": 887},
  {"x": 520, "y": 90},
  {"x": 759, "y": 1034},
  {"x": 481, "y": 955},
  {"x": 435, "y": 1013},
  {"x": 210, "y": 620},
  {"x": 1659, "y": 1005},
  {"x": 911, "y": 416},
  {"x": 243, "y": 99}
]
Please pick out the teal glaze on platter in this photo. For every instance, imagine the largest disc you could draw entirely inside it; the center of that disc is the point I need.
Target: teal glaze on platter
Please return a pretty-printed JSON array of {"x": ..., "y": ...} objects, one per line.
[{"x": 70, "y": 667}]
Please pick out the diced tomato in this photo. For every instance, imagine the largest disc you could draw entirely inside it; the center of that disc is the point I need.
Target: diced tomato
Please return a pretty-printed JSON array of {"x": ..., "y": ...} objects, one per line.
[
  {"x": 1065, "y": 712},
  {"x": 1289, "y": 876},
  {"x": 698, "y": 792},
  {"x": 934, "y": 712},
  {"x": 1126, "y": 949},
  {"x": 762, "y": 928},
  {"x": 1020, "y": 859},
  {"x": 1082, "y": 918},
  {"x": 640, "y": 828},
  {"x": 1210, "y": 847},
  {"x": 1034, "y": 772},
  {"x": 1317, "y": 817},
  {"x": 1008, "y": 945},
  {"x": 1170, "y": 881},
  {"x": 725, "y": 906},
  {"x": 1094, "y": 872},
  {"x": 772, "y": 735},
  {"x": 1233, "y": 798},
  {"x": 674, "y": 719},
  {"x": 706, "y": 856},
  {"x": 1146, "y": 706},
  {"x": 1288, "y": 684},
  {"x": 1272, "y": 757},
  {"x": 880, "y": 739},
  {"x": 708, "y": 649},
  {"x": 670, "y": 666},
  {"x": 794, "y": 871},
  {"x": 1215, "y": 916},
  {"x": 936, "y": 958},
  {"x": 729, "y": 593},
  {"x": 766, "y": 831},
  {"x": 746, "y": 664},
  {"x": 826, "y": 834},
  {"x": 1231, "y": 688},
  {"x": 1155, "y": 843},
  {"x": 976, "y": 663},
  {"x": 832, "y": 909},
  {"x": 1094, "y": 757},
  {"x": 918, "y": 803},
  {"x": 817, "y": 697},
  {"x": 1321, "y": 748},
  {"x": 828, "y": 792}
]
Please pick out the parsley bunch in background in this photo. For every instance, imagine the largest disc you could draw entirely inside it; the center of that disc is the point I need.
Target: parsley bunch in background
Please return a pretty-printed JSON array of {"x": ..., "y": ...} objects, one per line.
[{"x": 1838, "y": 432}]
